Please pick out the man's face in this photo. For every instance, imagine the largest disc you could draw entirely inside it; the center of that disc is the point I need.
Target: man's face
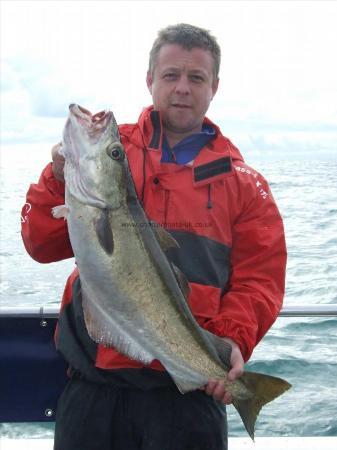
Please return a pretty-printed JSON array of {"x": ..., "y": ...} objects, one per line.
[{"x": 182, "y": 87}]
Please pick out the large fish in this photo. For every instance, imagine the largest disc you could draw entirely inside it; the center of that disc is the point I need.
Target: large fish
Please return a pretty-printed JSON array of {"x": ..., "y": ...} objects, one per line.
[{"x": 134, "y": 299}]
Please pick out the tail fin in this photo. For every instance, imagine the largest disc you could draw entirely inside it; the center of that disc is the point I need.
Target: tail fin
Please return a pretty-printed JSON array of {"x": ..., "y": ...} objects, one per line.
[{"x": 264, "y": 388}]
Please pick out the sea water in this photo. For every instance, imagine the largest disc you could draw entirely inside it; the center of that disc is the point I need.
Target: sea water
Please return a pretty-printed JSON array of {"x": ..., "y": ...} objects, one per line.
[{"x": 301, "y": 350}]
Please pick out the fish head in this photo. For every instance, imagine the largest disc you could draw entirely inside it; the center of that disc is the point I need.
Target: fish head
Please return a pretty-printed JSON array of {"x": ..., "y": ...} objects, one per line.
[{"x": 94, "y": 158}]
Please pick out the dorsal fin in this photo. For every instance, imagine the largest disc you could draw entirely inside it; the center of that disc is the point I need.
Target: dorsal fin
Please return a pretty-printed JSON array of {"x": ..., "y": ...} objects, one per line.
[
  {"x": 164, "y": 238},
  {"x": 182, "y": 280},
  {"x": 223, "y": 348}
]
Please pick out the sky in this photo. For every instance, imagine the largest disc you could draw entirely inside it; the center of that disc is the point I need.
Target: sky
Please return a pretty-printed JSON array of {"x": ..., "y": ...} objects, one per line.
[{"x": 278, "y": 91}]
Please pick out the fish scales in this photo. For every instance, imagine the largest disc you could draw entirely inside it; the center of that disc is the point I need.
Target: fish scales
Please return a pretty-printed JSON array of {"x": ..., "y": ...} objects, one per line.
[
  {"x": 131, "y": 295},
  {"x": 151, "y": 297}
]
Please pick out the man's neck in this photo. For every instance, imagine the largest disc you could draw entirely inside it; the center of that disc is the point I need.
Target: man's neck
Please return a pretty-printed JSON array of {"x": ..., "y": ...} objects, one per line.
[{"x": 173, "y": 138}]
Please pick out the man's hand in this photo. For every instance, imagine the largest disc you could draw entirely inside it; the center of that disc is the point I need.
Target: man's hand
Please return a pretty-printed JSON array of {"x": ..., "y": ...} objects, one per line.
[
  {"x": 58, "y": 162},
  {"x": 216, "y": 388}
]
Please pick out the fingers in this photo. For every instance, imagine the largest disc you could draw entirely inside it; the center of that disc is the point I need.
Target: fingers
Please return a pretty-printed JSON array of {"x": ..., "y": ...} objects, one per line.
[
  {"x": 216, "y": 389},
  {"x": 58, "y": 162},
  {"x": 235, "y": 372},
  {"x": 55, "y": 151},
  {"x": 237, "y": 362}
]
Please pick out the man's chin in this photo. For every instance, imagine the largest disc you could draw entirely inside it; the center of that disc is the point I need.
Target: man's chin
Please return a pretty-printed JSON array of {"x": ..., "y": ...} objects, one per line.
[{"x": 182, "y": 127}]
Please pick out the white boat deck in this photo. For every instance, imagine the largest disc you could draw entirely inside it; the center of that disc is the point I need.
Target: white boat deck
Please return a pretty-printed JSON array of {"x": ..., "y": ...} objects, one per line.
[{"x": 261, "y": 443}]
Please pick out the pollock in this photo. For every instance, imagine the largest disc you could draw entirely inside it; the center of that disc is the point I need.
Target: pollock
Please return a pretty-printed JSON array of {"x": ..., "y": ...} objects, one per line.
[{"x": 133, "y": 298}]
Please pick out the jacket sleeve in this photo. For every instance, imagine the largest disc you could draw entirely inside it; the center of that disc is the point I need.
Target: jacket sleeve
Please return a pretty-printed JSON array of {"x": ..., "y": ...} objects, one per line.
[
  {"x": 258, "y": 261},
  {"x": 46, "y": 239}
]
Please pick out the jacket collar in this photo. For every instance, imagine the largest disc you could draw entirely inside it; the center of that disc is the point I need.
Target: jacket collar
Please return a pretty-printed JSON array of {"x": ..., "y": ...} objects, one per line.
[
  {"x": 213, "y": 162},
  {"x": 151, "y": 128}
]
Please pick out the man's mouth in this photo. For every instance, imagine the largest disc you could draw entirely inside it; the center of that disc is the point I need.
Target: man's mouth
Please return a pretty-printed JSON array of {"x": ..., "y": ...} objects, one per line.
[{"x": 181, "y": 105}]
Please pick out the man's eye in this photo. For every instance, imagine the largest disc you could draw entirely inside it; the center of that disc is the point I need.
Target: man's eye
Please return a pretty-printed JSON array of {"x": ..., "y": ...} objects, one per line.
[
  {"x": 197, "y": 78},
  {"x": 170, "y": 76}
]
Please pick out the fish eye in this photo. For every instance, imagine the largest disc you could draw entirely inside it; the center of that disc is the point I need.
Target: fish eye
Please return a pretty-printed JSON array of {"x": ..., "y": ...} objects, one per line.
[{"x": 116, "y": 151}]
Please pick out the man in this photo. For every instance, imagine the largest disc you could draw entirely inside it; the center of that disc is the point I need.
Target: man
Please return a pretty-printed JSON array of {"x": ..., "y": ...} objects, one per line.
[{"x": 231, "y": 248}]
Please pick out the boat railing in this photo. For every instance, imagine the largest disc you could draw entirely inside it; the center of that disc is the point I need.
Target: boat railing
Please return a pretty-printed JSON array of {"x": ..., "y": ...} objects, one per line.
[
  {"x": 26, "y": 380},
  {"x": 52, "y": 311}
]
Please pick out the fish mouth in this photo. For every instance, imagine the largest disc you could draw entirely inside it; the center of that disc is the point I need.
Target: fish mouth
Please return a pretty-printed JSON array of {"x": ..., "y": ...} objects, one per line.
[
  {"x": 79, "y": 110},
  {"x": 93, "y": 123}
]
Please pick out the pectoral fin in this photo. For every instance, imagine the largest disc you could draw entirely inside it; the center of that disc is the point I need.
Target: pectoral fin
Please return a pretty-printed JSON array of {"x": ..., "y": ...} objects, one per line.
[{"x": 104, "y": 232}]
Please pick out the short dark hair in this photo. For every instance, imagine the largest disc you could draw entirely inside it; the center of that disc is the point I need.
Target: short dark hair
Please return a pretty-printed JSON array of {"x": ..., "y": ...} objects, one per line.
[{"x": 188, "y": 37}]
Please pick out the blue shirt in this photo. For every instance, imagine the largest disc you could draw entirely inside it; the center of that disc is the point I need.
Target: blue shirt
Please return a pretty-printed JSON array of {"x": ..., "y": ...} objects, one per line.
[{"x": 188, "y": 148}]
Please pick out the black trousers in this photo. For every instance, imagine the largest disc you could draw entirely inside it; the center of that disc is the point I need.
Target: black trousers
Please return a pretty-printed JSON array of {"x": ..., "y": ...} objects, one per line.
[{"x": 94, "y": 416}]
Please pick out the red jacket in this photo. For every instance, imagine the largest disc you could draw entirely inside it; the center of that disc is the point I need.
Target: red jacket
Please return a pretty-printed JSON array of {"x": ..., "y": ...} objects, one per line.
[{"x": 221, "y": 212}]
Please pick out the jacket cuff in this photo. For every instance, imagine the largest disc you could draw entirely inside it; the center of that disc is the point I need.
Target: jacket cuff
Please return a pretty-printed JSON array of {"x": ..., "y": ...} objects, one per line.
[
  {"x": 53, "y": 185},
  {"x": 241, "y": 336}
]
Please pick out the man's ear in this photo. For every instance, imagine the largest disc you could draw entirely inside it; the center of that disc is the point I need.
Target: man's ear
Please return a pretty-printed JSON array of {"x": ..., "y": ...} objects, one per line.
[
  {"x": 149, "y": 81},
  {"x": 215, "y": 86}
]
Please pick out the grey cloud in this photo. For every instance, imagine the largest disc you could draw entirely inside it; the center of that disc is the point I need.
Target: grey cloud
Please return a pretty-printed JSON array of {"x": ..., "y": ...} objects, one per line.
[
  {"x": 34, "y": 103},
  {"x": 49, "y": 96}
]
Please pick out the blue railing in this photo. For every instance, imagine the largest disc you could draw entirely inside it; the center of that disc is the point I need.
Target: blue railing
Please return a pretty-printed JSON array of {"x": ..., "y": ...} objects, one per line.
[
  {"x": 30, "y": 387},
  {"x": 317, "y": 310}
]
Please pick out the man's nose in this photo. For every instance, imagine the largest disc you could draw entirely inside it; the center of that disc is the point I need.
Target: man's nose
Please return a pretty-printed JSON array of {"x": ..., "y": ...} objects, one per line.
[{"x": 183, "y": 85}]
